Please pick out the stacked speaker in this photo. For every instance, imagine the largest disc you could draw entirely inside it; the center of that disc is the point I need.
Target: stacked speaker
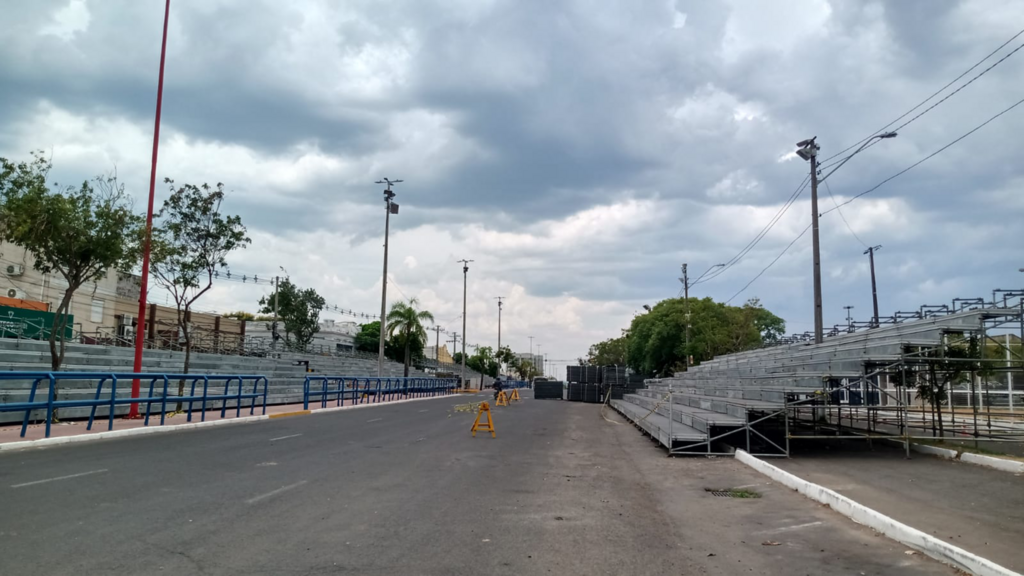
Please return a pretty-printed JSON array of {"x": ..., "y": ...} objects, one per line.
[{"x": 547, "y": 390}]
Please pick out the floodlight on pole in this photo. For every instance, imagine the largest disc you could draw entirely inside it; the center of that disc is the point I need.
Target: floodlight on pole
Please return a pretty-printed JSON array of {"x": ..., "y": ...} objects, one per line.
[{"x": 390, "y": 207}]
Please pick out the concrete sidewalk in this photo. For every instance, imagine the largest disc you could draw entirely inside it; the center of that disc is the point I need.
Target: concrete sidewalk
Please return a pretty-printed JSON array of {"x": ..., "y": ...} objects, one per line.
[
  {"x": 36, "y": 431},
  {"x": 978, "y": 509}
]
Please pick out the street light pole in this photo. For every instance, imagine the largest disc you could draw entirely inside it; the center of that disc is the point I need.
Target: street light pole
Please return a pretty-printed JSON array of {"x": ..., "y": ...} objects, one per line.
[
  {"x": 390, "y": 207},
  {"x": 499, "y": 299},
  {"x": 465, "y": 273},
  {"x": 849, "y": 318},
  {"x": 140, "y": 332},
  {"x": 874, "y": 288},
  {"x": 808, "y": 150}
]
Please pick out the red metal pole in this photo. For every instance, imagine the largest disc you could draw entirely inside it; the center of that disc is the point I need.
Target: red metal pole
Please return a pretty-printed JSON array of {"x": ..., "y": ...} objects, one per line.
[{"x": 133, "y": 411}]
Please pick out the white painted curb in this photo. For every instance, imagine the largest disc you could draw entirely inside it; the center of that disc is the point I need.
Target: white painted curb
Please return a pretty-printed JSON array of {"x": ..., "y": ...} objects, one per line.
[
  {"x": 156, "y": 429},
  {"x": 861, "y": 514},
  {"x": 1001, "y": 464},
  {"x": 991, "y": 462}
]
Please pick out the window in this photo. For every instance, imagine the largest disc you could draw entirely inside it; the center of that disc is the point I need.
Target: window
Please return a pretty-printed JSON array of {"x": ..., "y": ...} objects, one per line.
[{"x": 97, "y": 311}]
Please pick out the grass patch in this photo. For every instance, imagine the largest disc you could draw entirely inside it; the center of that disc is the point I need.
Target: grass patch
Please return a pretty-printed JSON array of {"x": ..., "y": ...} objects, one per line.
[{"x": 733, "y": 492}]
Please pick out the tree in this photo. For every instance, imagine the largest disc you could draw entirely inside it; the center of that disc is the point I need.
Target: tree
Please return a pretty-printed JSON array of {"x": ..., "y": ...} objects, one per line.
[
  {"x": 611, "y": 352},
  {"x": 406, "y": 322},
  {"x": 81, "y": 233},
  {"x": 505, "y": 356},
  {"x": 483, "y": 361},
  {"x": 368, "y": 338},
  {"x": 299, "y": 309},
  {"x": 191, "y": 241},
  {"x": 525, "y": 370},
  {"x": 657, "y": 342},
  {"x": 241, "y": 315},
  {"x": 939, "y": 369}
]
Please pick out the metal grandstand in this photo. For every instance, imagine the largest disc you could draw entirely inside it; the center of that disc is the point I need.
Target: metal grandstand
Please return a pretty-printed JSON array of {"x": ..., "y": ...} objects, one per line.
[{"x": 952, "y": 370}]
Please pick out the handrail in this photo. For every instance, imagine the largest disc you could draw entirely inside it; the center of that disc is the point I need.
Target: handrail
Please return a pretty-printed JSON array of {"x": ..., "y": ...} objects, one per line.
[
  {"x": 372, "y": 389},
  {"x": 51, "y": 403}
]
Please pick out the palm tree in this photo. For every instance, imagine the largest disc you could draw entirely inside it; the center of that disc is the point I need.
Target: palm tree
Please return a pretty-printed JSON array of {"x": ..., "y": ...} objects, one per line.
[{"x": 406, "y": 320}]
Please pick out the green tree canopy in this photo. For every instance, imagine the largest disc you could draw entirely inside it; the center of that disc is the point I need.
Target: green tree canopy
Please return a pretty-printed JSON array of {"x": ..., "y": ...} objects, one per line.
[
  {"x": 79, "y": 232},
  {"x": 405, "y": 323},
  {"x": 190, "y": 241},
  {"x": 609, "y": 352},
  {"x": 657, "y": 340},
  {"x": 299, "y": 309}
]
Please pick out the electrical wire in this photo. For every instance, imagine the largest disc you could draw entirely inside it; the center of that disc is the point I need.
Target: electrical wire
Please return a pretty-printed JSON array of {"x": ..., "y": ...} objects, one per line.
[
  {"x": 770, "y": 264},
  {"x": 876, "y": 187},
  {"x": 750, "y": 245},
  {"x": 848, "y": 227},
  {"x": 926, "y": 158},
  {"x": 936, "y": 93}
]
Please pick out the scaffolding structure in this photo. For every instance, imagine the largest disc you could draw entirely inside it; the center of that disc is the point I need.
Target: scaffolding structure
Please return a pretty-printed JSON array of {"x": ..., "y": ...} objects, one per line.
[{"x": 952, "y": 371}]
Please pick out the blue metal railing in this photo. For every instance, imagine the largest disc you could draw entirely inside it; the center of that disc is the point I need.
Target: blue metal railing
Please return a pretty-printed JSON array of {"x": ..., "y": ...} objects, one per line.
[
  {"x": 324, "y": 389},
  {"x": 109, "y": 380}
]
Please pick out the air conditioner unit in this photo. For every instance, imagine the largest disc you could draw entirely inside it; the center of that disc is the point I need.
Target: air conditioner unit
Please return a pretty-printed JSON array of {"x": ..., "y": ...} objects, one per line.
[
  {"x": 15, "y": 269},
  {"x": 16, "y": 294},
  {"x": 125, "y": 320}
]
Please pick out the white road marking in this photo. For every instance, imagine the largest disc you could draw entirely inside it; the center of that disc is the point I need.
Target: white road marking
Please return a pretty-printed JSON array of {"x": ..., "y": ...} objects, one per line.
[
  {"x": 284, "y": 437},
  {"x": 374, "y": 420},
  {"x": 275, "y": 492},
  {"x": 58, "y": 478},
  {"x": 788, "y": 528}
]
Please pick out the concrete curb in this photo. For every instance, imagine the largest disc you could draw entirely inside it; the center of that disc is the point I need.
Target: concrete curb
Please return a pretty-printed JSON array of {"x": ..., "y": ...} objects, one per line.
[
  {"x": 46, "y": 442},
  {"x": 938, "y": 549},
  {"x": 992, "y": 462},
  {"x": 1001, "y": 464}
]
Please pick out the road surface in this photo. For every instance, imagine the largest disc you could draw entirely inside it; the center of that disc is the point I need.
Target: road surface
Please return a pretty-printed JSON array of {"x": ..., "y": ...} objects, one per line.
[{"x": 403, "y": 489}]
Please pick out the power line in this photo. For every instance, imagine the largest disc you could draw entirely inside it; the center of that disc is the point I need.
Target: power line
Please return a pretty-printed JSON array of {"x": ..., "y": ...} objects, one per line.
[
  {"x": 875, "y": 187},
  {"x": 848, "y": 227},
  {"x": 936, "y": 93},
  {"x": 770, "y": 264},
  {"x": 926, "y": 158},
  {"x": 771, "y": 224}
]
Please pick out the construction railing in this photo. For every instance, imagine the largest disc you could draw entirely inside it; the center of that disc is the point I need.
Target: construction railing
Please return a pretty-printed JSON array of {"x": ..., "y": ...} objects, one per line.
[
  {"x": 211, "y": 388},
  {"x": 336, "y": 389}
]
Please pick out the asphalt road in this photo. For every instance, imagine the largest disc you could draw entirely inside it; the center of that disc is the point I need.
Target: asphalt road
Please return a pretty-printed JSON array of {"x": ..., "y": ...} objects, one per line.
[{"x": 404, "y": 489}]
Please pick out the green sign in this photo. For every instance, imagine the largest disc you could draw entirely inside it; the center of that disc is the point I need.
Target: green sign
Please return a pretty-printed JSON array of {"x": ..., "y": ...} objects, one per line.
[{"x": 32, "y": 324}]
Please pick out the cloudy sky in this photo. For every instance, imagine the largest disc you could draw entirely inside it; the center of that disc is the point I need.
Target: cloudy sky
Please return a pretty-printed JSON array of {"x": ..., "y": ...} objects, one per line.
[{"x": 579, "y": 152}]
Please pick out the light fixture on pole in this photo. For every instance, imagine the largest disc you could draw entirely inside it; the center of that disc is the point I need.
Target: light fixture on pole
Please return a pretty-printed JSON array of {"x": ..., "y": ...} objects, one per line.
[
  {"x": 390, "y": 207},
  {"x": 849, "y": 318},
  {"x": 686, "y": 300}
]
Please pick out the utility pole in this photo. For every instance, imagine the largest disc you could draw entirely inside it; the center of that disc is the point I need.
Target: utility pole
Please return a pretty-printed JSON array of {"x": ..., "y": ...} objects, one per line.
[
  {"x": 809, "y": 151},
  {"x": 849, "y": 318},
  {"x": 874, "y": 289},
  {"x": 437, "y": 344},
  {"x": 390, "y": 207},
  {"x": 499, "y": 299},
  {"x": 686, "y": 300},
  {"x": 539, "y": 353},
  {"x": 465, "y": 273},
  {"x": 273, "y": 333}
]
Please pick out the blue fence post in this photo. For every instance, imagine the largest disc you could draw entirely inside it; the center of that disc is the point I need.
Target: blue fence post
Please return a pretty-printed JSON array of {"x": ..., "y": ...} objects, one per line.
[
  {"x": 31, "y": 400},
  {"x": 266, "y": 382},
  {"x": 49, "y": 404},
  {"x": 96, "y": 399},
  {"x": 191, "y": 395},
  {"x": 305, "y": 394},
  {"x": 163, "y": 400},
  {"x": 206, "y": 389},
  {"x": 149, "y": 405},
  {"x": 113, "y": 401}
]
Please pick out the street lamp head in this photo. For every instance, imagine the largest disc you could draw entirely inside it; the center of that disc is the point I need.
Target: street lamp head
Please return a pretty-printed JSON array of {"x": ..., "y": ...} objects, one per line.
[
  {"x": 887, "y": 135},
  {"x": 646, "y": 307},
  {"x": 805, "y": 143}
]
